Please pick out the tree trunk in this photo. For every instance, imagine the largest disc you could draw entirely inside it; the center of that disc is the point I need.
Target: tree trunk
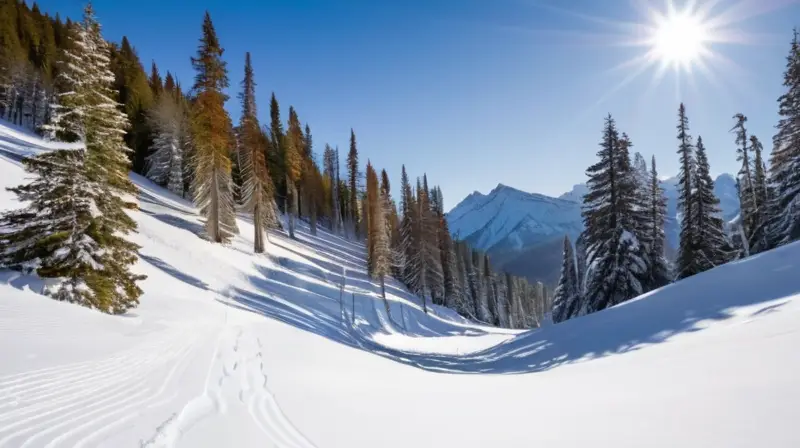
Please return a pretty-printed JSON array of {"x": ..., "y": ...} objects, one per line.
[
  {"x": 213, "y": 215},
  {"x": 313, "y": 220},
  {"x": 258, "y": 245},
  {"x": 291, "y": 209},
  {"x": 383, "y": 294}
]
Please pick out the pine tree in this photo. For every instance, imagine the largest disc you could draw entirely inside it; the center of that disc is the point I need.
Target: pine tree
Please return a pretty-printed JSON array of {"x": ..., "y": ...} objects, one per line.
[
  {"x": 566, "y": 293},
  {"x": 75, "y": 224},
  {"x": 614, "y": 258},
  {"x": 331, "y": 165},
  {"x": 687, "y": 258},
  {"x": 658, "y": 273},
  {"x": 52, "y": 233},
  {"x": 429, "y": 244},
  {"x": 169, "y": 83},
  {"x": 377, "y": 235},
  {"x": 275, "y": 155},
  {"x": 156, "y": 83},
  {"x": 641, "y": 207},
  {"x": 137, "y": 97},
  {"x": 491, "y": 292},
  {"x": 711, "y": 243},
  {"x": 759, "y": 240},
  {"x": 293, "y": 164},
  {"x": 257, "y": 194},
  {"x": 785, "y": 160},
  {"x": 352, "y": 176},
  {"x": 211, "y": 133},
  {"x": 165, "y": 164},
  {"x": 749, "y": 203},
  {"x": 447, "y": 254},
  {"x": 407, "y": 260}
]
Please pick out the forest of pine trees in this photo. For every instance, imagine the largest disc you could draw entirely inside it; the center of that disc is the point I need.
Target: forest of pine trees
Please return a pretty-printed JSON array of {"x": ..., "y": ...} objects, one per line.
[
  {"x": 51, "y": 71},
  {"x": 63, "y": 80},
  {"x": 625, "y": 247}
]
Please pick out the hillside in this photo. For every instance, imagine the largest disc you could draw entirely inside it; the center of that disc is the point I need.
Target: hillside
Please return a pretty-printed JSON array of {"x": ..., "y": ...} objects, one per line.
[
  {"x": 232, "y": 349},
  {"x": 523, "y": 232}
]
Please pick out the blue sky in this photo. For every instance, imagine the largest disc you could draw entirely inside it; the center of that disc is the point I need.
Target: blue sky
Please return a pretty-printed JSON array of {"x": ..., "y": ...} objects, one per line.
[{"x": 473, "y": 92}]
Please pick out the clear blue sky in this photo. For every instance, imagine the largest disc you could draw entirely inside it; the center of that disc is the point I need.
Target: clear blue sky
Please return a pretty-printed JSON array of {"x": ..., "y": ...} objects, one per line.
[{"x": 473, "y": 92}]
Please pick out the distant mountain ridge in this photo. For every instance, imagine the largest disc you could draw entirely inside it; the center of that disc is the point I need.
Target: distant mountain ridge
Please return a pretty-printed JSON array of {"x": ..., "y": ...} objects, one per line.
[
  {"x": 521, "y": 231},
  {"x": 511, "y": 219}
]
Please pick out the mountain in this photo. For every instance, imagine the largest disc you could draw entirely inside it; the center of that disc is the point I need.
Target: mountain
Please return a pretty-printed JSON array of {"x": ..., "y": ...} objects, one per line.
[
  {"x": 510, "y": 219},
  {"x": 522, "y": 231}
]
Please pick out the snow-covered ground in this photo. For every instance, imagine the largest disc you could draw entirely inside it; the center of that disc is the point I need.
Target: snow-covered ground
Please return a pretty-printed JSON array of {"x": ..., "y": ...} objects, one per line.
[{"x": 232, "y": 349}]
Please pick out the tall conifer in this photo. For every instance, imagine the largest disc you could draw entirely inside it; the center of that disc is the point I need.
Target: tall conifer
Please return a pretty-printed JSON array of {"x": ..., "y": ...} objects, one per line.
[{"x": 211, "y": 133}]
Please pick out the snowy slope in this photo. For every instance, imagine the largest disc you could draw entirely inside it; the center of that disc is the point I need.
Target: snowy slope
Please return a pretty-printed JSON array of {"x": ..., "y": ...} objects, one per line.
[{"x": 232, "y": 349}]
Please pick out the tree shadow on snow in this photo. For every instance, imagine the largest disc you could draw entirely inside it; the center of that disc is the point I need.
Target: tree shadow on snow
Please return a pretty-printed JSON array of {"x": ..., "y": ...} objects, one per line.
[
  {"x": 169, "y": 269},
  {"x": 680, "y": 308},
  {"x": 196, "y": 227}
]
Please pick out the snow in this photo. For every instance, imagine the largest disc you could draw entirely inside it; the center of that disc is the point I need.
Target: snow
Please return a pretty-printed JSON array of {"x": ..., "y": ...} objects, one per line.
[
  {"x": 510, "y": 219},
  {"x": 231, "y": 349}
]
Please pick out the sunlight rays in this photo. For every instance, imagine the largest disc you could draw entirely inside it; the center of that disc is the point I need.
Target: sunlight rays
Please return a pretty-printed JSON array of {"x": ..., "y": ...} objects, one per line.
[{"x": 681, "y": 39}]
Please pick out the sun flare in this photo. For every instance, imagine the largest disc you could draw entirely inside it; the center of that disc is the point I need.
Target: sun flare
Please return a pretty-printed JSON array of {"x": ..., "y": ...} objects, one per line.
[{"x": 680, "y": 39}]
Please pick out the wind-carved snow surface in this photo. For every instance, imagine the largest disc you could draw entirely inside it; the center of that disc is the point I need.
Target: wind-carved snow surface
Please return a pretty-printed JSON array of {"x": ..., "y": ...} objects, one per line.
[{"x": 232, "y": 349}]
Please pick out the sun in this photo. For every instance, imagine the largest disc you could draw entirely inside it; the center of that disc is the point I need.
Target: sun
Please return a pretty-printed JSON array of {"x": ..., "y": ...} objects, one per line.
[{"x": 680, "y": 39}]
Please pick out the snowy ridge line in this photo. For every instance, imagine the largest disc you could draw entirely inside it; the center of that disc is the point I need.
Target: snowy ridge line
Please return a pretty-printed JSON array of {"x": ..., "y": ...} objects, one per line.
[{"x": 99, "y": 396}]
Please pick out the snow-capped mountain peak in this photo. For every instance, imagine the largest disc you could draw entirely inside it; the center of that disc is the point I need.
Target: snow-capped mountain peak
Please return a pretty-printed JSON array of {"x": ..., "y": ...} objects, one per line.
[{"x": 509, "y": 218}]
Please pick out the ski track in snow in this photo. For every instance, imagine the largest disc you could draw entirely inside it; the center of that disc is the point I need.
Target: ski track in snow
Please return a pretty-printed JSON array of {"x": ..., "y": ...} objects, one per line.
[
  {"x": 237, "y": 376},
  {"x": 76, "y": 404}
]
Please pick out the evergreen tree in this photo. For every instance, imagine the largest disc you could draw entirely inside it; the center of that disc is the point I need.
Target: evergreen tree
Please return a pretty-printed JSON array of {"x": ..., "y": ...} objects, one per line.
[
  {"x": 407, "y": 252},
  {"x": 275, "y": 155},
  {"x": 331, "y": 166},
  {"x": 615, "y": 265},
  {"x": 658, "y": 273},
  {"x": 352, "y": 176},
  {"x": 257, "y": 194},
  {"x": 687, "y": 258},
  {"x": 759, "y": 240},
  {"x": 377, "y": 235},
  {"x": 711, "y": 243},
  {"x": 169, "y": 83},
  {"x": 429, "y": 244},
  {"x": 137, "y": 97},
  {"x": 447, "y": 254},
  {"x": 785, "y": 160},
  {"x": 75, "y": 225},
  {"x": 168, "y": 120},
  {"x": 566, "y": 294},
  {"x": 156, "y": 83},
  {"x": 293, "y": 164},
  {"x": 211, "y": 133},
  {"x": 747, "y": 193}
]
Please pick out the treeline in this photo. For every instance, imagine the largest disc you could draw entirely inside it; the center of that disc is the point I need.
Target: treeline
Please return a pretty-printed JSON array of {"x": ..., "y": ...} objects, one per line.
[
  {"x": 620, "y": 254},
  {"x": 415, "y": 246},
  {"x": 187, "y": 142}
]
